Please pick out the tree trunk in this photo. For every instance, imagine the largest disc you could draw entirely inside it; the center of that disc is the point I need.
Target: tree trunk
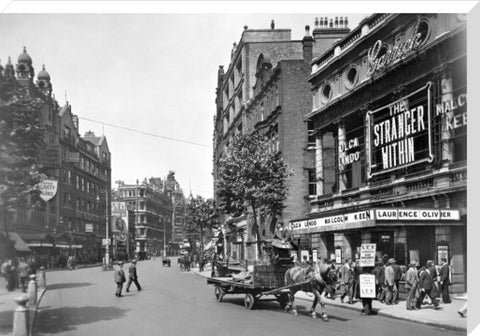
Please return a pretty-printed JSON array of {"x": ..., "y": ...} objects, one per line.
[{"x": 255, "y": 221}]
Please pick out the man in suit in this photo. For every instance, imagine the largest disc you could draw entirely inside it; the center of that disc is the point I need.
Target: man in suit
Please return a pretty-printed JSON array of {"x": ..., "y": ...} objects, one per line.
[
  {"x": 119, "y": 278},
  {"x": 445, "y": 280},
  {"x": 347, "y": 280},
  {"x": 426, "y": 285},
  {"x": 390, "y": 281},
  {"x": 132, "y": 276}
]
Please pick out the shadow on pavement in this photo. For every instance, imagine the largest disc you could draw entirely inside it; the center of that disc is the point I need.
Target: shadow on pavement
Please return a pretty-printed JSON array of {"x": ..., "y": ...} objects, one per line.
[
  {"x": 6, "y": 322},
  {"x": 68, "y": 285},
  {"x": 64, "y": 319}
]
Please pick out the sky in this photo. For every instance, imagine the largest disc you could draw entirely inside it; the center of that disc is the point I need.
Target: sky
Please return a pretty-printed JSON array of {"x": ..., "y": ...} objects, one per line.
[{"x": 153, "y": 73}]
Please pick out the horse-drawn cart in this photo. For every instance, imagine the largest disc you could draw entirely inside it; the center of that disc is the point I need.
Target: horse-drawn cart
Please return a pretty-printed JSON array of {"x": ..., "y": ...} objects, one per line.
[{"x": 253, "y": 294}]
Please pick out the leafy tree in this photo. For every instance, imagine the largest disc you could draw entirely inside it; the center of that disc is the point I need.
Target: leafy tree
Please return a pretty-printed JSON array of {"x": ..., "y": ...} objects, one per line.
[
  {"x": 201, "y": 216},
  {"x": 251, "y": 178},
  {"x": 21, "y": 142}
]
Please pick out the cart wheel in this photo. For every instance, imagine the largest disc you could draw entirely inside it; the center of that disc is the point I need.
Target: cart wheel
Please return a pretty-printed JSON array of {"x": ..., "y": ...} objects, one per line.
[
  {"x": 219, "y": 293},
  {"x": 249, "y": 301}
]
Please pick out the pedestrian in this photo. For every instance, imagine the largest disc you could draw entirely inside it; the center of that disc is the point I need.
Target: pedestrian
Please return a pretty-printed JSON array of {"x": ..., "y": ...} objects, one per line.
[
  {"x": 445, "y": 280},
  {"x": 426, "y": 286},
  {"x": 397, "y": 277},
  {"x": 8, "y": 270},
  {"x": 119, "y": 277},
  {"x": 380, "y": 281},
  {"x": 390, "y": 281},
  {"x": 346, "y": 279},
  {"x": 366, "y": 299},
  {"x": 411, "y": 285},
  {"x": 132, "y": 276},
  {"x": 23, "y": 272}
]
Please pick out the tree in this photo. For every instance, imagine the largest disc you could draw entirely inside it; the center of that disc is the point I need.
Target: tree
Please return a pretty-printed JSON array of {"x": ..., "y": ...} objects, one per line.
[
  {"x": 201, "y": 215},
  {"x": 21, "y": 142},
  {"x": 251, "y": 177}
]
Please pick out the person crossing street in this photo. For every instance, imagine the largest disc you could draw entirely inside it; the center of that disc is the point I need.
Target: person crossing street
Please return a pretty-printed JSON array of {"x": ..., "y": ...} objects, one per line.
[
  {"x": 119, "y": 278},
  {"x": 132, "y": 276}
]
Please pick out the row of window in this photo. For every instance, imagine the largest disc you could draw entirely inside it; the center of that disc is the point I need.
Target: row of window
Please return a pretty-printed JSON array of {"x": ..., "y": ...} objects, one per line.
[
  {"x": 264, "y": 108},
  {"x": 80, "y": 204},
  {"x": 80, "y": 183}
]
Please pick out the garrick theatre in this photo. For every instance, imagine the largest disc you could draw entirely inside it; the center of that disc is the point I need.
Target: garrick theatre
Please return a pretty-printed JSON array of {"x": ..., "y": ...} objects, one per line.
[{"x": 390, "y": 121}]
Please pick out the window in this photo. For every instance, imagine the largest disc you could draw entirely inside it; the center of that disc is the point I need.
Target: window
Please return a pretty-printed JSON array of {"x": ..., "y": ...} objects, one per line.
[
  {"x": 351, "y": 77},
  {"x": 310, "y": 135},
  {"x": 77, "y": 179},
  {"x": 351, "y": 155},
  {"x": 312, "y": 183},
  {"x": 326, "y": 93},
  {"x": 67, "y": 133}
]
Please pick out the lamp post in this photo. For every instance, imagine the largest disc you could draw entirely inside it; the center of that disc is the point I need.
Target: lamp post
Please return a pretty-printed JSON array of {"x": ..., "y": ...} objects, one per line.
[{"x": 107, "y": 247}]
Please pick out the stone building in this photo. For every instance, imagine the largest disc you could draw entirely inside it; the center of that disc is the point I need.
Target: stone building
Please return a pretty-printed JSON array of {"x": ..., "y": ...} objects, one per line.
[
  {"x": 389, "y": 119},
  {"x": 72, "y": 222}
]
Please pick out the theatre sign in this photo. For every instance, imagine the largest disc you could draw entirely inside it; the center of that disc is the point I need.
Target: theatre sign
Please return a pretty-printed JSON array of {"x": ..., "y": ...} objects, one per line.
[
  {"x": 399, "y": 134},
  {"x": 371, "y": 217}
]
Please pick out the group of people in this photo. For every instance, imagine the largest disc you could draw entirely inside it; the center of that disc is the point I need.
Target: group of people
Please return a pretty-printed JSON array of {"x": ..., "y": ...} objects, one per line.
[
  {"x": 422, "y": 284},
  {"x": 16, "y": 274},
  {"x": 120, "y": 279}
]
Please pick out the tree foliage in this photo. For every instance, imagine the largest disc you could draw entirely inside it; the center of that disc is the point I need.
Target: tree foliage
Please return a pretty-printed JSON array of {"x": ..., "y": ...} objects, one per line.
[
  {"x": 201, "y": 216},
  {"x": 251, "y": 177},
  {"x": 21, "y": 142}
]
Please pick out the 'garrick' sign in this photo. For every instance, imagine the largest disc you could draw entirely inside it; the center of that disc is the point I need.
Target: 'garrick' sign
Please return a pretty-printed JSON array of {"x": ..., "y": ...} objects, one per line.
[{"x": 381, "y": 55}]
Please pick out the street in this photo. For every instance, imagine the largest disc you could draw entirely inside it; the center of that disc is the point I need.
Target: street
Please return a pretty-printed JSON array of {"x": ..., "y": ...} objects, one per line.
[{"x": 82, "y": 302}]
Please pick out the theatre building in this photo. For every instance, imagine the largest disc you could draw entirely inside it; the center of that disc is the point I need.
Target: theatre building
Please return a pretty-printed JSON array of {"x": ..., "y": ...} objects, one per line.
[{"x": 389, "y": 117}]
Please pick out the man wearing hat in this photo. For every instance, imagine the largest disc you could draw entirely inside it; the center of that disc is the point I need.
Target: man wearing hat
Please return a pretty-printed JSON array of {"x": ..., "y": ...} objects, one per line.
[
  {"x": 411, "y": 283},
  {"x": 390, "y": 281},
  {"x": 119, "y": 278},
  {"x": 426, "y": 283},
  {"x": 132, "y": 276}
]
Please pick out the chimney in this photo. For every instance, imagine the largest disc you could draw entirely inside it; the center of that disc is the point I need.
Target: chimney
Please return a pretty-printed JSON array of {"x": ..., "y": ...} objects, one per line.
[
  {"x": 328, "y": 31},
  {"x": 307, "y": 43},
  {"x": 272, "y": 24}
]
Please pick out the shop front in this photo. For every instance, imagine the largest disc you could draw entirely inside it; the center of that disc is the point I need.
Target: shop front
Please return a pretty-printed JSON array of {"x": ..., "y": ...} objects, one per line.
[{"x": 406, "y": 234}]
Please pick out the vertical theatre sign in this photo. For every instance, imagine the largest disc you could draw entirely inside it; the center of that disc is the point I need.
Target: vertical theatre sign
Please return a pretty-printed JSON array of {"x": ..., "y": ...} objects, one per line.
[{"x": 400, "y": 133}]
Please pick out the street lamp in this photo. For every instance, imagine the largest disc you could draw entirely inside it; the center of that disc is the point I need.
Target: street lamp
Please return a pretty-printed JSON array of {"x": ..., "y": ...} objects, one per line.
[{"x": 107, "y": 247}]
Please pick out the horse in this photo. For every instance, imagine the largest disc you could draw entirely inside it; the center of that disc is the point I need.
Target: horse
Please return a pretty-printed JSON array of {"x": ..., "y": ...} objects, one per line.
[{"x": 321, "y": 276}]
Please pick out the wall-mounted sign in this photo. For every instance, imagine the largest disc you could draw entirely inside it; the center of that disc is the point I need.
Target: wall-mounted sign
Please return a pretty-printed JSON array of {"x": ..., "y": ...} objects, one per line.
[
  {"x": 88, "y": 227},
  {"x": 348, "y": 153},
  {"x": 372, "y": 215},
  {"x": 48, "y": 189},
  {"x": 382, "y": 55},
  {"x": 399, "y": 134},
  {"x": 454, "y": 111},
  {"x": 338, "y": 255}
]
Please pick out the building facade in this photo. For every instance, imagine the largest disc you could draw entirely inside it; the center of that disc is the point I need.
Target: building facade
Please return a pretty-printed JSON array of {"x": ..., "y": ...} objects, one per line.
[
  {"x": 389, "y": 118},
  {"x": 176, "y": 235},
  {"x": 152, "y": 212},
  {"x": 265, "y": 89},
  {"x": 72, "y": 222}
]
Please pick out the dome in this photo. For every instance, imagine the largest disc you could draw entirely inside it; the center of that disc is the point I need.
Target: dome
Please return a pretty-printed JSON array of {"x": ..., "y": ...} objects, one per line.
[
  {"x": 43, "y": 75},
  {"x": 24, "y": 57}
]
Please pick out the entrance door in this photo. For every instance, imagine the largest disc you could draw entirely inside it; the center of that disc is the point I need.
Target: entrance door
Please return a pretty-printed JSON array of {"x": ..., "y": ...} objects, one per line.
[
  {"x": 421, "y": 243},
  {"x": 385, "y": 244}
]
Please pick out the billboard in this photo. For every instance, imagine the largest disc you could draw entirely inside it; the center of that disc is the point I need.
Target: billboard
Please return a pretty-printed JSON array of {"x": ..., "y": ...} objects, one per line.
[{"x": 119, "y": 224}]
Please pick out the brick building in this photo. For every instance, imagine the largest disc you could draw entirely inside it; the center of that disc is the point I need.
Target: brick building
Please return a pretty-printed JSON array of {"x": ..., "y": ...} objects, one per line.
[
  {"x": 265, "y": 88},
  {"x": 389, "y": 119}
]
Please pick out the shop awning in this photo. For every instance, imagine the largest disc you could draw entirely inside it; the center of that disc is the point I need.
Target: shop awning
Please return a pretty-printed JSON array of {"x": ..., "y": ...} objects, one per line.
[
  {"x": 37, "y": 239},
  {"x": 19, "y": 244},
  {"x": 211, "y": 244}
]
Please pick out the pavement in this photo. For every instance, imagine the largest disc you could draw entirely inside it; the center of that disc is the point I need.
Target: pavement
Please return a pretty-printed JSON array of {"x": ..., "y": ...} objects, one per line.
[
  {"x": 8, "y": 306},
  {"x": 447, "y": 317}
]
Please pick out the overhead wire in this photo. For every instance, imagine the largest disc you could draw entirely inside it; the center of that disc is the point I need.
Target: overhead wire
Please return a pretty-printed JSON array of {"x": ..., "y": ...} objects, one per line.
[{"x": 146, "y": 133}]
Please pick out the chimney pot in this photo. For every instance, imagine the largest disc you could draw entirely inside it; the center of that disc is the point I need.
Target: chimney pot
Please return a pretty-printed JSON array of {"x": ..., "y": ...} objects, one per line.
[
  {"x": 307, "y": 30},
  {"x": 336, "y": 21},
  {"x": 341, "y": 21},
  {"x": 346, "y": 22},
  {"x": 245, "y": 27},
  {"x": 272, "y": 24},
  {"x": 321, "y": 23},
  {"x": 316, "y": 22}
]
